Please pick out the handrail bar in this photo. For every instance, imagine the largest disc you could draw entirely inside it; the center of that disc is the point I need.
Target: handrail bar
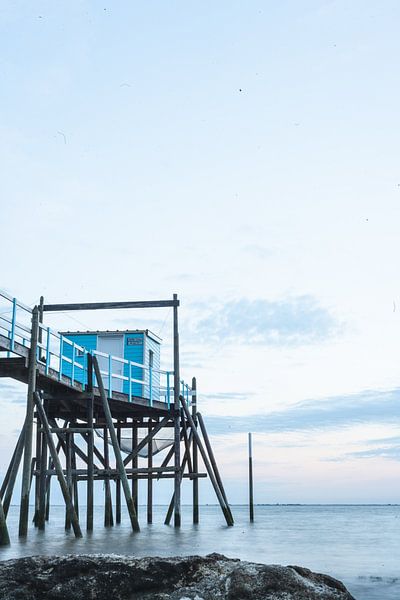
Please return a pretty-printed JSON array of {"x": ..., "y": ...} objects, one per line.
[{"x": 4, "y": 294}]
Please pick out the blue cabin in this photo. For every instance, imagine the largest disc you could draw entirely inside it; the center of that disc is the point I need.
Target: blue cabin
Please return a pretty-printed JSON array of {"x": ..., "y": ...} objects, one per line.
[{"x": 140, "y": 350}]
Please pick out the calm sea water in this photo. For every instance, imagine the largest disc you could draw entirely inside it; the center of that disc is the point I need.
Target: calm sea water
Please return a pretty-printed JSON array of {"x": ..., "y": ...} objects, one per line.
[{"x": 359, "y": 545}]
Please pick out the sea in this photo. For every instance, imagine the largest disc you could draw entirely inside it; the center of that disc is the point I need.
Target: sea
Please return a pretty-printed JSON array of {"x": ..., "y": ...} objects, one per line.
[{"x": 360, "y": 545}]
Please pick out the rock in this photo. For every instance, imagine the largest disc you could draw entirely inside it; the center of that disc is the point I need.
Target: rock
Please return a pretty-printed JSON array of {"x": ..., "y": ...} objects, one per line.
[{"x": 112, "y": 577}]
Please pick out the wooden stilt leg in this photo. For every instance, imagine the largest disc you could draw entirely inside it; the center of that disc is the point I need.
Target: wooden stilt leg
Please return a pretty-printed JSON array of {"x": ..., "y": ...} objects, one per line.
[
  {"x": 150, "y": 480},
  {"x": 4, "y": 537},
  {"x": 226, "y": 511},
  {"x": 117, "y": 451},
  {"x": 135, "y": 481},
  {"x": 57, "y": 465},
  {"x": 90, "y": 446},
  {"x": 108, "y": 512},
  {"x": 26, "y": 473},
  {"x": 118, "y": 487},
  {"x": 195, "y": 455},
  {"x": 16, "y": 460}
]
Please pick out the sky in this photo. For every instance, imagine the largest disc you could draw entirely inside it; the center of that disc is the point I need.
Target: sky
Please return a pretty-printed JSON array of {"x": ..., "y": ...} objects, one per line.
[{"x": 244, "y": 155}]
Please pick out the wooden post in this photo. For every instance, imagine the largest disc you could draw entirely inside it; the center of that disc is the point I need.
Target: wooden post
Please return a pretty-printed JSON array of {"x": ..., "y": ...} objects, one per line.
[
  {"x": 26, "y": 474},
  {"x": 4, "y": 537},
  {"x": 41, "y": 514},
  {"x": 68, "y": 467},
  {"x": 177, "y": 432},
  {"x": 184, "y": 461},
  {"x": 150, "y": 479},
  {"x": 7, "y": 490},
  {"x": 57, "y": 465},
  {"x": 118, "y": 487},
  {"x": 108, "y": 512},
  {"x": 117, "y": 451},
  {"x": 251, "y": 499},
  {"x": 135, "y": 482},
  {"x": 222, "y": 503},
  {"x": 213, "y": 461},
  {"x": 195, "y": 455},
  {"x": 38, "y": 463},
  {"x": 90, "y": 445},
  {"x": 74, "y": 477}
]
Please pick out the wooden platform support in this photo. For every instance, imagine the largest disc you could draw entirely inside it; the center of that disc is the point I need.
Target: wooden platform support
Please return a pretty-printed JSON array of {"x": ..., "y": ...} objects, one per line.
[
  {"x": 68, "y": 418},
  {"x": 26, "y": 474},
  {"x": 120, "y": 463},
  {"x": 11, "y": 475},
  {"x": 4, "y": 537},
  {"x": 195, "y": 455},
  {"x": 223, "y": 504},
  {"x": 53, "y": 452},
  {"x": 177, "y": 417}
]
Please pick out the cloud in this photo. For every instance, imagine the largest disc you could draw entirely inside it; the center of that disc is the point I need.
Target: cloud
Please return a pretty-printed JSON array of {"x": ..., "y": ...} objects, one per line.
[
  {"x": 292, "y": 321},
  {"x": 329, "y": 413},
  {"x": 227, "y": 396}
]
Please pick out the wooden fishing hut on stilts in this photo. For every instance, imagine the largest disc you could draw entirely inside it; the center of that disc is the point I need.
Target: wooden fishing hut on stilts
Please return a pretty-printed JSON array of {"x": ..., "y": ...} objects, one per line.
[{"x": 77, "y": 393}]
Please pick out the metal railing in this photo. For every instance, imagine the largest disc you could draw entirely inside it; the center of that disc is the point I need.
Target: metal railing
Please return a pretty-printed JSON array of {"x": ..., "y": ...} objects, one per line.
[{"x": 67, "y": 360}]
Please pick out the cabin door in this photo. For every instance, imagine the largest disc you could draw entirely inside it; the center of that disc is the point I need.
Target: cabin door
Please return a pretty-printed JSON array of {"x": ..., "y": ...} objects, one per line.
[{"x": 114, "y": 345}]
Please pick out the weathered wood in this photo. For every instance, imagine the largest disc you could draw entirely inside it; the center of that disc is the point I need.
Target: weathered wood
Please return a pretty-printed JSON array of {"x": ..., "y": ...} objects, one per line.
[
  {"x": 41, "y": 514},
  {"x": 117, "y": 452},
  {"x": 26, "y": 473},
  {"x": 183, "y": 465},
  {"x": 74, "y": 479},
  {"x": 251, "y": 495},
  {"x": 4, "y": 536},
  {"x": 195, "y": 455},
  {"x": 118, "y": 488},
  {"x": 111, "y": 305},
  {"x": 14, "y": 464},
  {"x": 90, "y": 445},
  {"x": 135, "y": 483},
  {"x": 176, "y": 411},
  {"x": 150, "y": 481},
  {"x": 68, "y": 465},
  {"x": 213, "y": 461},
  {"x": 38, "y": 454},
  {"x": 57, "y": 464},
  {"x": 108, "y": 511},
  {"x": 187, "y": 448},
  {"x": 222, "y": 503}
]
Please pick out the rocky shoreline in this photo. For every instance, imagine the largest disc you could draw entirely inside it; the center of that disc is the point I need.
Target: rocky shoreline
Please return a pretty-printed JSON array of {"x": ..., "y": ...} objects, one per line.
[{"x": 112, "y": 577}]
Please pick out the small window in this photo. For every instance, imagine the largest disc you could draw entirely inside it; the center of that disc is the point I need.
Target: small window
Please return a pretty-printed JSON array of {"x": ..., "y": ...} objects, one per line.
[
  {"x": 151, "y": 358},
  {"x": 78, "y": 352}
]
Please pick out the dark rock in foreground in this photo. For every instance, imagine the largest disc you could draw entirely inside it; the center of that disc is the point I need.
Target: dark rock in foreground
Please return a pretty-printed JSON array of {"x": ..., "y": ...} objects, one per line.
[{"x": 111, "y": 577}]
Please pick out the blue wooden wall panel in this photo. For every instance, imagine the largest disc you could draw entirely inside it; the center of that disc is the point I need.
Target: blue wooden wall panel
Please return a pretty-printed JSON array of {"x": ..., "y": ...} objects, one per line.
[
  {"x": 86, "y": 340},
  {"x": 133, "y": 350}
]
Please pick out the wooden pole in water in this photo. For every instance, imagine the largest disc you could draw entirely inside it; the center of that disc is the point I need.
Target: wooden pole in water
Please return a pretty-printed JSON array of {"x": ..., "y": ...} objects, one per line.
[
  {"x": 150, "y": 480},
  {"x": 226, "y": 512},
  {"x": 12, "y": 474},
  {"x": 135, "y": 482},
  {"x": 118, "y": 487},
  {"x": 4, "y": 537},
  {"x": 57, "y": 465},
  {"x": 251, "y": 500},
  {"x": 195, "y": 455},
  {"x": 90, "y": 445},
  {"x": 26, "y": 474},
  {"x": 108, "y": 512},
  {"x": 41, "y": 515},
  {"x": 176, "y": 410},
  {"x": 68, "y": 467},
  {"x": 117, "y": 451},
  {"x": 213, "y": 462}
]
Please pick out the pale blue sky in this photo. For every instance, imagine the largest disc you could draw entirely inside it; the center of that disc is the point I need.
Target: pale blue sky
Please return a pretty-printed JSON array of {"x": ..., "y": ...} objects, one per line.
[{"x": 246, "y": 156}]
